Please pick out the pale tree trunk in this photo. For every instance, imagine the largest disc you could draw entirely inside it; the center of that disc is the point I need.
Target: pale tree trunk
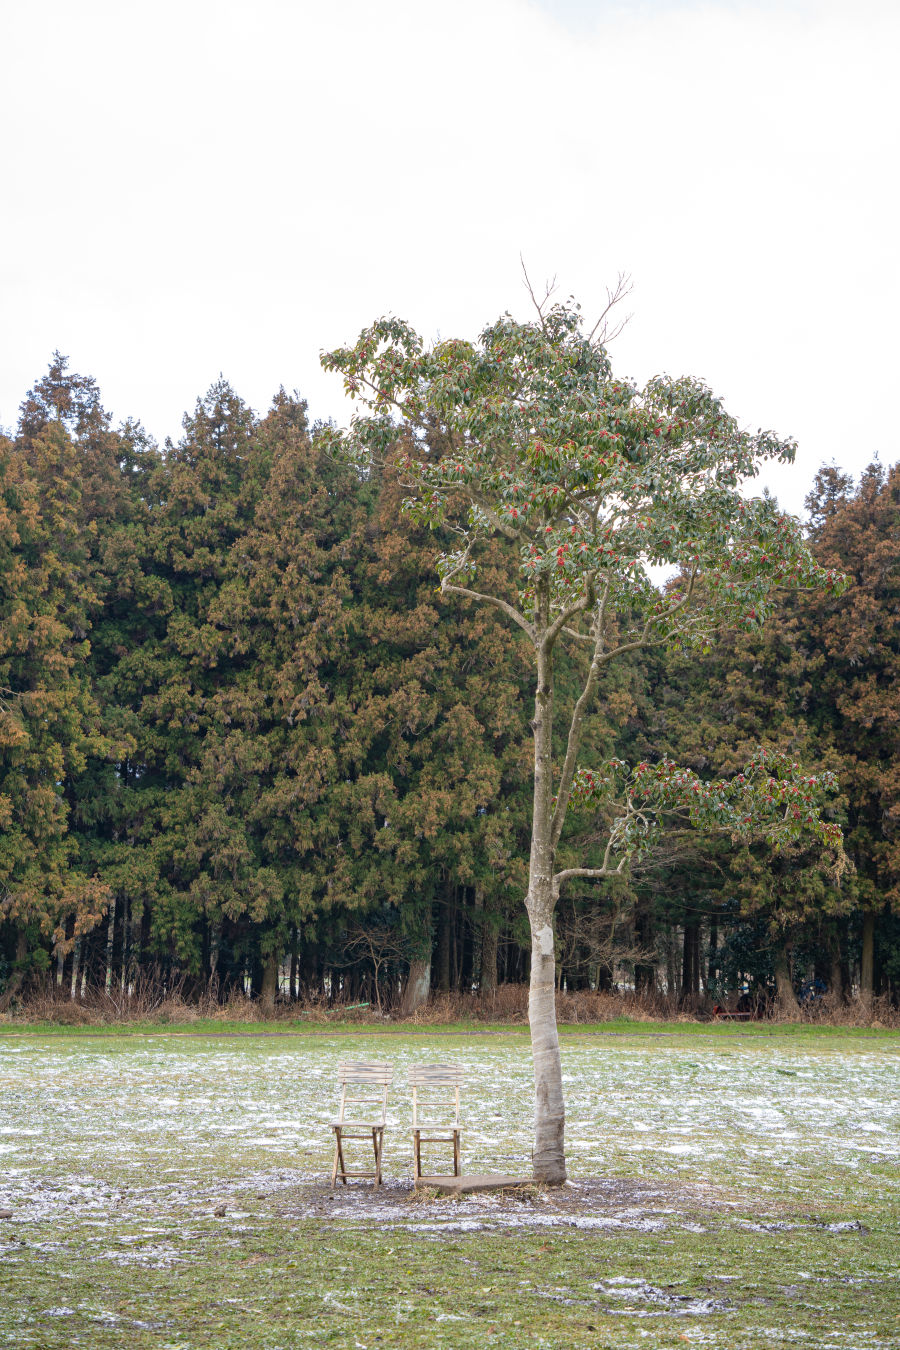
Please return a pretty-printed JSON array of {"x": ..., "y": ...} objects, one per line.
[
  {"x": 295, "y": 964},
  {"x": 418, "y": 986},
  {"x": 785, "y": 997},
  {"x": 671, "y": 987},
  {"x": 549, "y": 1109},
  {"x": 110, "y": 942},
  {"x": 867, "y": 962},
  {"x": 76, "y": 968}
]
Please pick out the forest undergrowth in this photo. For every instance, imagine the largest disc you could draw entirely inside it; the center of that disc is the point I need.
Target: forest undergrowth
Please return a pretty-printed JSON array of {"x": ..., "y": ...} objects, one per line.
[{"x": 150, "y": 1002}]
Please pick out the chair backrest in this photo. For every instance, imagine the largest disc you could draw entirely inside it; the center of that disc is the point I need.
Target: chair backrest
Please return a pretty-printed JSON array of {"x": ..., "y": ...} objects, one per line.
[
  {"x": 362, "y": 1074},
  {"x": 430, "y": 1079}
]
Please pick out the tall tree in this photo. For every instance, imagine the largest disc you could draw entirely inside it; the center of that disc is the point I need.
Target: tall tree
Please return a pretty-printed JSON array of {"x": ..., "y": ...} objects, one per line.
[
  {"x": 587, "y": 479},
  {"x": 49, "y": 721},
  {"x": 854, "y": 658}
]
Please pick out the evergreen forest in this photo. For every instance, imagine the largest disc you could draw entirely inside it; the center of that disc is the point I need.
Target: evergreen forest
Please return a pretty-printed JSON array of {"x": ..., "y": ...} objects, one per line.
[{"x": 246, "y": 747}]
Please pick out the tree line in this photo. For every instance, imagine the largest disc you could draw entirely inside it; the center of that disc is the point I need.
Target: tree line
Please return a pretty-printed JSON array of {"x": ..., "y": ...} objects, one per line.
[{"x": 246, "y": 744}]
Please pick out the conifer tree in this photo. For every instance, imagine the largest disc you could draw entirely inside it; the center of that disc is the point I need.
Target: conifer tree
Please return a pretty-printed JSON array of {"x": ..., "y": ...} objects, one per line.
[
  {"x": 854, "y": 658},
  {"x": 49, "y": 721}
]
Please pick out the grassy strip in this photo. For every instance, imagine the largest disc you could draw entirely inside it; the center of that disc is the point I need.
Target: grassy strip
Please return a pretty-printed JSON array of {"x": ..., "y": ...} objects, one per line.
[
  {"x": 794, "y": 1031},
  {"x": 272, "y": 1282}
]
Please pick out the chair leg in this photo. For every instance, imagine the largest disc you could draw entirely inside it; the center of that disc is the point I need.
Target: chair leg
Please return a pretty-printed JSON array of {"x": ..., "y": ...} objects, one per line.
[
  {"x": 455, "y": 1154},
  {"x": 417, "y": 1156},
  {"x": 337, "y": 1154},
  {"x": 377, "y": 1142},
  {"x": 343, "y": 1167}
]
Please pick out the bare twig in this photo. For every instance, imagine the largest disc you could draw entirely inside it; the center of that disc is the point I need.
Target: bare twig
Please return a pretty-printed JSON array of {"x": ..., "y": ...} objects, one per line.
[
  {"x": 601, "y": 330},
  {"x": 549, "y": 288}
]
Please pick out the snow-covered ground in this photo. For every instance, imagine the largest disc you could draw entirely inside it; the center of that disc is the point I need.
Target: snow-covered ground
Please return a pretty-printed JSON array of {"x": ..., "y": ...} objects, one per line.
[{"x": 155, "y": 1124}]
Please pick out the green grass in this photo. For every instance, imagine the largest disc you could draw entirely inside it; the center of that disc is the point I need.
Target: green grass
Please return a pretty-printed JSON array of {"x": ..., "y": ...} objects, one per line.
[
  {"x": 623, "y": 1026},
  {"x": 730, "y": 1160},
  {"x": 287, "y": 1284}
]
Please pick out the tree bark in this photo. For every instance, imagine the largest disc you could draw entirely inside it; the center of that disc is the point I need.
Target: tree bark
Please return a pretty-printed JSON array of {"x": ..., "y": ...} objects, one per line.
[
  {"x": 442, "y": 959},
  {"x": 76, "y": 969},
  {"x": 488, "y": 981},
  {"x": 269, "y": 985},
  {"x": 644, "y": 968},
  {"x": 690, "y": 965},
  {"x": 712, "y": 969},
  {"x": 126, "y": 943},
  {"x": 671, "y": 985},
  {"x": 867, "y": 962},
  {"x": 549, "y": 1159},
  {"x": 215, "y": 940},
  {"x": 295, "y": 961},
  {"x": 418, "y": 986},
  {"x": 110, "y": 941},
  {"x": 784, "y": 988}
]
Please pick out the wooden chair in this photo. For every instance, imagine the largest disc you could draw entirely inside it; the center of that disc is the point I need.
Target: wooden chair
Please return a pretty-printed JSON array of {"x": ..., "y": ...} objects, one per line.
[
  {"x": 358, "y": 1076},
  {"x": 429, "y": 1079}
]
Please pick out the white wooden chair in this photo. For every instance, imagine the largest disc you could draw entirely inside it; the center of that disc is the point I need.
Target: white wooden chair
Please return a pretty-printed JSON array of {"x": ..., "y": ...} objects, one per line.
[
  {"x": 441, "y": 1124},
  {"x": 372, "y": 1080}
]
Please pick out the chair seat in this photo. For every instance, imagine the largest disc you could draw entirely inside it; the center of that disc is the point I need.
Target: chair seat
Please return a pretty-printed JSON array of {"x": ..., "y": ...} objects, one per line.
[
  {"x": 448, "y": 1130},
  {"x": 348, "y": 1126}
]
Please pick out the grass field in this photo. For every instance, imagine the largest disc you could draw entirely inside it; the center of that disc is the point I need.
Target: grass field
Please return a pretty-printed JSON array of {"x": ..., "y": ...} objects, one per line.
[{"x": 734, "y": 1187}]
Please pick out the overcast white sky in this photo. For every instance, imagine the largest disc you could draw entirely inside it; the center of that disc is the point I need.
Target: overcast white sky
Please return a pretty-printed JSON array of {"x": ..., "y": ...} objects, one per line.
[{"x": 197, "y": 186}]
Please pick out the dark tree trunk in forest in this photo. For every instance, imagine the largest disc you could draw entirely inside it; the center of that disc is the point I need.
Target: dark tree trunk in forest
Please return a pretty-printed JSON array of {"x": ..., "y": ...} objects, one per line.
[
  {"x": 785, "y": 997},
  {"x": 690, "y": 964},
  {"x": 269, "y": 984},
  {"x": 18, "y": 977},
  {"x": 442, "y": 956},
  {"x": 418, "y": 987},
  {"x": 215, "y": 939},
  {"x": 644, "y": 967},
  {"x": 295, "y": 961},
  {"x": 110, "y": 942},
  {"x": 455, "y": 962},
  {"x": 489, "y": 937},
  {"x": 671, "y": 982},
  {"x": 836, "y": 982},
  {"x": 867, "y": 962},
  {"x": 712, "y": 966}
]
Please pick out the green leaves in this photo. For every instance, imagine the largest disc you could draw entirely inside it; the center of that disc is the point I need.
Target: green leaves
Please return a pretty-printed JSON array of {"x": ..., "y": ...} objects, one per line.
[
  {"x": 772, "y": 799},
  {"x": 526, "y": 434}
]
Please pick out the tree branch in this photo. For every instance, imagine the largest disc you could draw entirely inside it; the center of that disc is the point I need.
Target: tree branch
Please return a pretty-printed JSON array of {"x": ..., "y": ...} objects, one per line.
[
  {"x": 595, "y": 872},
  {"x": 574, "y": 740},
  {"x": 559, "y": 623},
  {"x": 582, "y": 637},
  {"x": 510, "y": 610},
  {"x": 622, "y": 288},
  {"x": 549, "y": 288},
  {"x": 498, "y": 522}
]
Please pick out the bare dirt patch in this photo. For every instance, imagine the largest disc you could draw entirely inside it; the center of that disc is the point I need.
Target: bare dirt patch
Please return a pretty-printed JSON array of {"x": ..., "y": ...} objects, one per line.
[{"x": 596, "y": 1202}]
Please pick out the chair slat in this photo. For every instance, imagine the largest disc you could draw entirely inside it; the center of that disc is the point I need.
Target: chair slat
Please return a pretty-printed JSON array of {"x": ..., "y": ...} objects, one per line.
[
  {"x": 365, "y": 1071},
  {"x": 436, "y": 1075}
]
